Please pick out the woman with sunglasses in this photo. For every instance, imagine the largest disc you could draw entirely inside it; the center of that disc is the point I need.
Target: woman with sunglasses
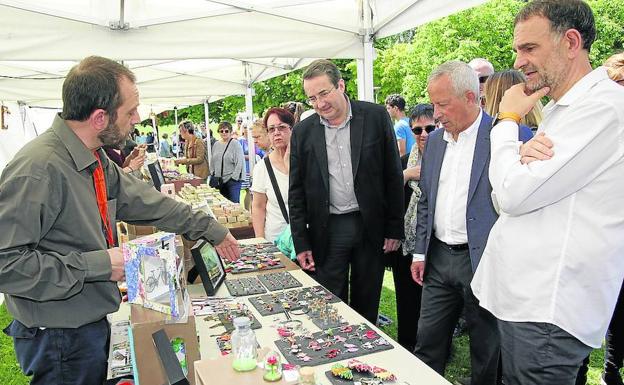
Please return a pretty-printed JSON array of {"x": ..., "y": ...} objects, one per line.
[
  {"x": 407, "y": 291},
  {"x": 267, "y": 216},
  {"x": 228, "y": 163},
  {"x": 194, "y": 152}
]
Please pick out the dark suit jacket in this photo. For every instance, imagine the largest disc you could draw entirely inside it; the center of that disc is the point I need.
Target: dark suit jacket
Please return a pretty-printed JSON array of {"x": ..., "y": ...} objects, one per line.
[
  {"x": 480, "y": 213},
  {"x": 377, "y": 178}
]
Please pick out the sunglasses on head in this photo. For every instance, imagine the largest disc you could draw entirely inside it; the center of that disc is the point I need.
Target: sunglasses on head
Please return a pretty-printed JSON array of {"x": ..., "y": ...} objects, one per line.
[{"x": 417, "y": 130}]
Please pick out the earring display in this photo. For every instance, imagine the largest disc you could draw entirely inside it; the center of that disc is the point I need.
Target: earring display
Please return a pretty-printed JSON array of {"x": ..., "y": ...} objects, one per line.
[
  {"x": 223, "y": 311},
  {"x": 292, "y": 300},
  {"x": 244, "y": 286},
  {"x": 256, "y": 257},
  {"x": 333, "y": 344},
  {"x": 279, "y": 281}
]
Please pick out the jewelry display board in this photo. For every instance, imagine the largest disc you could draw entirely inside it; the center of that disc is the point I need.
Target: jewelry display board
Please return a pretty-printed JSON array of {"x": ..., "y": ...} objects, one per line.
[
  {"x": 244, "y": 286},
  {"x": 279, "y": 281},
  {"x": 291, "y": 300},
  {"x": 331, "y": 345}
]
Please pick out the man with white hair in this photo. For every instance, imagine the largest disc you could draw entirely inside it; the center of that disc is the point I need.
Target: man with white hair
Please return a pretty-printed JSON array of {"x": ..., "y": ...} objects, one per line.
[
  {"x": 455, "y": 215},
  {"x": 484, "y": 70}
]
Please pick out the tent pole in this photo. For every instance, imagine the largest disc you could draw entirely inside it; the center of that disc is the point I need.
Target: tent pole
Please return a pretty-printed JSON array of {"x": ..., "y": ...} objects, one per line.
[
  {"x": 249, "y": 117},
  {"x": 175, "y": 114},
  {"x": 365, "y": 65}
]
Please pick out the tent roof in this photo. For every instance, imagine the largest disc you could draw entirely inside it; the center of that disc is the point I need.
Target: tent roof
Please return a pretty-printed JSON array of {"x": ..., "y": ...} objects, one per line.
[{"x": 188, "y": 50}]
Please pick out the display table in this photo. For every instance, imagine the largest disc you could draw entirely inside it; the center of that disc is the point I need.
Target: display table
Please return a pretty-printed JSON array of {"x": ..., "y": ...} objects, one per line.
[
  {"x": 407, "y": 368},
  {"x": 402, "y": 363}
]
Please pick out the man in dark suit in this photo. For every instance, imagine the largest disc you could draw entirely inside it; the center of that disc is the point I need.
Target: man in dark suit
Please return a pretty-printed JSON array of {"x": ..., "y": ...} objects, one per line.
[
  {"x": 346, "y": 190},
  {"x": 455, "y": 215}
]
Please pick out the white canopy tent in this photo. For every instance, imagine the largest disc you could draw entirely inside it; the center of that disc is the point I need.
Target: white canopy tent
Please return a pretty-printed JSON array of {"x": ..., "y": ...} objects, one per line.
[{"x": 193, "y": 51}]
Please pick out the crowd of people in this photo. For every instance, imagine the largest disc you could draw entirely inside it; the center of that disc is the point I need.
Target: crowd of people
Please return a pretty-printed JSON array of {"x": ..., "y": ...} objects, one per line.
[{"x": 488, "y": 205}]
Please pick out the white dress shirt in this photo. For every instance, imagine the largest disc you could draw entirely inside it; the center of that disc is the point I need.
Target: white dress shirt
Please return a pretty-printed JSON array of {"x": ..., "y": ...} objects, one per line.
[
  {"x": 556, "y": 253},
  {"x": 449, "y": 221}
]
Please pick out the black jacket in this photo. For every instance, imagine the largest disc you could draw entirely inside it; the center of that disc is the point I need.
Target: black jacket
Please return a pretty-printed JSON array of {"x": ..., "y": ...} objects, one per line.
[{"x": 377, "y": 177}]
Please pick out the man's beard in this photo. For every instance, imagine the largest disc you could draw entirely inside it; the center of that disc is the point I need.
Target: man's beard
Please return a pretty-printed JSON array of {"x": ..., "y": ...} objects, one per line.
[{"x": 111, "y": 136}]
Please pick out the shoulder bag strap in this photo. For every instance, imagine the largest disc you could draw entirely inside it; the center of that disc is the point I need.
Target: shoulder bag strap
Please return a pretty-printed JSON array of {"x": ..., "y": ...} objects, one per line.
[
  {"x": 223, "y": 156},
  {"x": 278, "y": 194}
]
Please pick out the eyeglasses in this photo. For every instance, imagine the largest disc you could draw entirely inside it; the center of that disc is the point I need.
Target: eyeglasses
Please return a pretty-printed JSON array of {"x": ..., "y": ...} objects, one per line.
[
  {"x": 224, "y": 131},
  {"x": 312, "y": 100},
  {"x": 483, "y": 79},
  {"x": 417, "y": 130},
  {"x": 282, "y": 127}
]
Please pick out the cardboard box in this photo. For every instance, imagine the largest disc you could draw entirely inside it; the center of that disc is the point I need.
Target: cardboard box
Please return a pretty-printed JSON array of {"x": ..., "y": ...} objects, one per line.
[{"x": 145, "y": 322}]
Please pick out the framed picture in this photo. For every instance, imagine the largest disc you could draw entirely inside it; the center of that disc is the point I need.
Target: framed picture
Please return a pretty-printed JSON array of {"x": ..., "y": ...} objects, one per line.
[
  {"x": 156, "y": 173},
  {"x": 208, "y": 265}
]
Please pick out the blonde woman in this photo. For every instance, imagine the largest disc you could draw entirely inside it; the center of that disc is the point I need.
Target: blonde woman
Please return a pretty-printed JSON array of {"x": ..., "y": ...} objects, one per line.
[
  {"x": 495, "y": 88},
  {"x": 194, "y": 152}
]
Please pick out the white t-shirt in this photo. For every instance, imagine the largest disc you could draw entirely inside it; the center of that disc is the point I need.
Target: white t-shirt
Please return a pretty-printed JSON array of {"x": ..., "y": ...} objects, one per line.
[{"x": 274, "y": 222}]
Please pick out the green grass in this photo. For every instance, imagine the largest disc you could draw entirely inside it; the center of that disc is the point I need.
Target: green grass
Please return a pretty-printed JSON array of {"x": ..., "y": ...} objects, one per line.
[{"x": 10, "y": 373}]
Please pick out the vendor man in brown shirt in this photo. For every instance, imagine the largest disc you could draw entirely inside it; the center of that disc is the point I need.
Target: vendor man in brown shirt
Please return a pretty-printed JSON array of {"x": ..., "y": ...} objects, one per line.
[{"x": 59, "y": 197}]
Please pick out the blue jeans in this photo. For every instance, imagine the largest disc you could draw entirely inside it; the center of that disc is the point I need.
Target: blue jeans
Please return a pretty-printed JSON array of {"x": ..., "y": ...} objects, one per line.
[
  {"x": 62, "y": 356},
  {"x": 231, "y": 190}
]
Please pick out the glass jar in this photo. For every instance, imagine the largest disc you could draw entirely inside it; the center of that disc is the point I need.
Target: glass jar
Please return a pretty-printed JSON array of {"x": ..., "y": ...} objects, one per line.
[
  {"x": 306, "y": 376},
  {"x": 272, "y": 366},
  {"x": 244, "y": 345}
]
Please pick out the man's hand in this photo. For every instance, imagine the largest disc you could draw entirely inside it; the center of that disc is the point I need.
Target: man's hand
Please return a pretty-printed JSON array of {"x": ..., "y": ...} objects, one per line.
[
  {"x": 418, "y": 271},
  {"x": 538, "y": 148},
  {"x": 516, "y": 100},
  {"x": 138, "y": 150},
  {"x": 117, "y": 264},
  {"x": 306, "y": 260},
  {"x": 228, "y": 248},
  {"x": 137, "y": 162},
  {"x": 390, "y": 245}
]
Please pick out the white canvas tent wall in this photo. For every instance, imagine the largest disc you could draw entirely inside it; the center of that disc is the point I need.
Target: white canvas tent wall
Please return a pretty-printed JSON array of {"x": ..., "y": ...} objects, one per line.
[{"x": 180, "y": 50}]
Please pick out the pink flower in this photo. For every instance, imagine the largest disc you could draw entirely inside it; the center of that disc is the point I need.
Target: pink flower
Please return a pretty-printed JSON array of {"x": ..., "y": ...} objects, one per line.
[{"x": 272, "y": 360}]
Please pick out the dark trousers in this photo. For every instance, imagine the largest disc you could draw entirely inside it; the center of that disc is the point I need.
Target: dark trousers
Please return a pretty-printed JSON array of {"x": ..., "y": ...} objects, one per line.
[
  {"x": 446, "y": 291},
  {"x": 231, "y": 190},
  {"x": 537, "y": 353},
  {"x": 349, "y": 251},
  {"x": 614, "y": 349},
  {"x": 62, "y": 356},
  {"x": 408, "y": 298}
]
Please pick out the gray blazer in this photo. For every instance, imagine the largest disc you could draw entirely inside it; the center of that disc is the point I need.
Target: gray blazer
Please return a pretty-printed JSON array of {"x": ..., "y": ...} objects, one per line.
[{"x": 480, "y": 213}]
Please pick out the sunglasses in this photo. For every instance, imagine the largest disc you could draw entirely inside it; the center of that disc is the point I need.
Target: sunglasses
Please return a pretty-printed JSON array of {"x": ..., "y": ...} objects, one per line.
[
  {"x": 224, "y": 131},
  {"x": 417, "y": 130},
  {"x": 483, "y": 79}
]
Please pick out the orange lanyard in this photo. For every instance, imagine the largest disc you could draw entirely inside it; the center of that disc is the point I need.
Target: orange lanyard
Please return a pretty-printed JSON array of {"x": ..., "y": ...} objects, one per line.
[{"x": 102, "y": 199}]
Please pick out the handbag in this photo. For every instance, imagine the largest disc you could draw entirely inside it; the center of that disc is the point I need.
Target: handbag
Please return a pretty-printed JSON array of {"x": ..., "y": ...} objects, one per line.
[
  {"x": 217, "y": 181},
  {"x": 284, "y": 241}
]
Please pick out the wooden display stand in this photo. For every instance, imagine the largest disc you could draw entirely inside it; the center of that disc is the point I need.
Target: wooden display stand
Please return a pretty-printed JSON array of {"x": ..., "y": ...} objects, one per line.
[{"x": 144, "y": 323}]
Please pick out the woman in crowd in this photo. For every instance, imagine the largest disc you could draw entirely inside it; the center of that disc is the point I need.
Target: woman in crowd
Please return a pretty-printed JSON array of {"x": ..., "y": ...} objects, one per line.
[
  {"x": 261, "y": 136},
  {"x": 228, "y": 163},
  {"x": 164, "y": 148},
  {"x": 407, "y": 291},
  {"x": 268, "y": 218},
  {"x": 295, "y": 108},
  {"x": 194, "y": 152},
  {"x": 495, "y": 88}
]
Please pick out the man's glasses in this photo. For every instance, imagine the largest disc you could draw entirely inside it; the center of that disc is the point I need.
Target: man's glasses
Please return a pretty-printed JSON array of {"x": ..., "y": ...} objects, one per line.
[
  {"x": 282, "y": 127},
  {"x": 312, "y": 100},
  {"x": 417, "y": 130},
  {"x": 224, "y": 131},
  {"x": 483, "y": 79}
]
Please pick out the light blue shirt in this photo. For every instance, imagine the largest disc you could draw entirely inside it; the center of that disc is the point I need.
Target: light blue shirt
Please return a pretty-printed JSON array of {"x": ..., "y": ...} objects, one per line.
[{"x": 404, "y": 132}]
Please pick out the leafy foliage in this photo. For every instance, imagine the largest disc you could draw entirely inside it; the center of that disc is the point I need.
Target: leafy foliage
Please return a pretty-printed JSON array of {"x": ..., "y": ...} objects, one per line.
[{"x": 405, "y": 60}]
